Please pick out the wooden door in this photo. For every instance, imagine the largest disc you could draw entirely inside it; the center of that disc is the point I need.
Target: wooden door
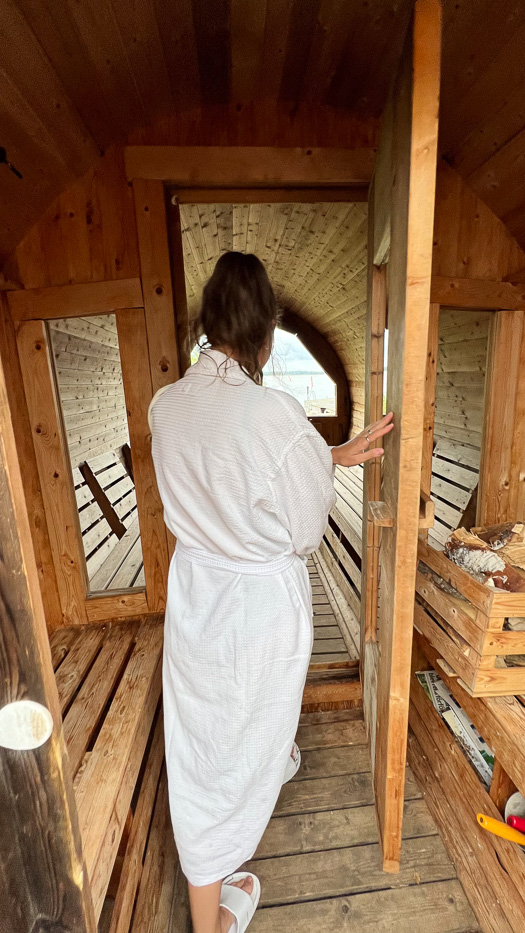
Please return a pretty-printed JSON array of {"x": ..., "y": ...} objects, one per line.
[{"x": 401, "y": 212}]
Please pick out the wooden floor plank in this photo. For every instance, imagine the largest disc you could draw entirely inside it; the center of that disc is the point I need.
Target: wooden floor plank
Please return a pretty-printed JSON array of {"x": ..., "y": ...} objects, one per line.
[
  {"x": 326, "y": 762},
  {"x": 84, "y": 715},
  {"x": 132, "y": 867},
  {"x": 333, "y": 793},
  {"x": 352, "y": 870},
  {"x": 76, "y": 664},
  {"x": 315, "y": 832},
  {"x": 100, "y": 782},
  {"x": 331, "y": 645},
  {"x": 327, "y": 716},
  {"x": 324, "y": 735},
  {"x": 61, "y": 641},
  {"x": 439, "y": 907},
  {"x": 155, "y": 897},
  {"x": 327, "y": 631}
]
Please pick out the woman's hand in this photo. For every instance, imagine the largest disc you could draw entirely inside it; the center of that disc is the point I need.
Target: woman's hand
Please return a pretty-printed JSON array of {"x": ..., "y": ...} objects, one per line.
[{"x": 358, "y": 449}]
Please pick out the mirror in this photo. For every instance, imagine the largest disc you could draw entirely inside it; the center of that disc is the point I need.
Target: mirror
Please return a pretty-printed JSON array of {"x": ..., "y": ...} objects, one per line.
[{"x": 90, "y": 387}]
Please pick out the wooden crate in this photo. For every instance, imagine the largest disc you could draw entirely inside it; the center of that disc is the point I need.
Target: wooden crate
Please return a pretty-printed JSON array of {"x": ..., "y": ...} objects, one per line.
[{"x": 468, "y": 632}]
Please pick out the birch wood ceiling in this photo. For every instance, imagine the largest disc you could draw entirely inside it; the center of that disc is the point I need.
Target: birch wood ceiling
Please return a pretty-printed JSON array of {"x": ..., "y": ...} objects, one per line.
[
  {"x": 315, "y": 255},
  {"x": 77, "y": 77}
]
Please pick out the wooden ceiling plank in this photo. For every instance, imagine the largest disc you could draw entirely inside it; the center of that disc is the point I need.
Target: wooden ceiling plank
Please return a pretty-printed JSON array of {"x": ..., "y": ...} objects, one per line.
[
  {"x": 210, "y": 235},
  {"x": 240, "y": 226},
  {"x": 55, "y": 30},
  {"x": 253, "y": 227},
  {"x": 249, "y": 165},
  {"x": 486, "y": 119},
  {"x": 276, "y": 29},
  {"x": 177, "y": 32},
  {"x": 99, "y": 32},
  {"x": 335, "y": 25},
  {"x": 212, "y": 34},
  {"x": 224, "y": 214},
  {"x": 140, "y": 36},
  {"x": 379, "y": 29},
  {"x": 472, "y": 35},
  {"x": 281, "y": 214},
  {"x": 26, "y": 65},
  {"x": 299, "y": 41},
  {"x": 248, "y": 22}
]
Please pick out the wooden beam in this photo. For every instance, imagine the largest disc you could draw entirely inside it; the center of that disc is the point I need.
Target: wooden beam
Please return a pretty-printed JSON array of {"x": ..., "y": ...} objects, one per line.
[
  {"x": 311, "y": 195},
  {"x": 118, "y": 528},
  {"x": 74, "y": 300},
  {"x": 249, "y": 166},
  {"x": 152, "y": 232},
  {"x": 43, "y": 880},
  {"x": 374, "y": 370},
  {"x": 430, "y": 403},
  {"x": 414, "y": 155},
  {"x": 54, "y": 469},
  {"x": 26, "y": 454},
  {"x": 138, "y": 391},
  {"x": 178, "y": 277},
  {"x": 116, "y": 605},
  {"x": 499, "y": 478},
  {"x": 476, "y": 293}
]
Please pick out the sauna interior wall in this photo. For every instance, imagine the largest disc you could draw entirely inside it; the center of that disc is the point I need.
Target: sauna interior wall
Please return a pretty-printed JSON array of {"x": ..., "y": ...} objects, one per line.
[
  {"x": 89, "y": 378},
  {"x": 458, "y": 419},
  {"x": 89, "y": 235}
]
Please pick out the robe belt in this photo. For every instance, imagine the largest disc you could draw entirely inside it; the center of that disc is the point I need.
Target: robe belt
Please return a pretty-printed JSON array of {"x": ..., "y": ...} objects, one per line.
[{"x": 261, "y": 569}]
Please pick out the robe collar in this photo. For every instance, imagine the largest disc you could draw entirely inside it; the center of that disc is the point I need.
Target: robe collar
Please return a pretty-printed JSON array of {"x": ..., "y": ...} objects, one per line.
[{"x": 216, "y": 362}]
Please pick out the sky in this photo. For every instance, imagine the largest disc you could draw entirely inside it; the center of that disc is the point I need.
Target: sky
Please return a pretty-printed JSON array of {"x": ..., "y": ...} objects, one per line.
[{"x": 289, "y": 355}]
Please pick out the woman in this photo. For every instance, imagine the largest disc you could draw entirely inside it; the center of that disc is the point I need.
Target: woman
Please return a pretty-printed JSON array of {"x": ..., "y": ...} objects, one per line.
[{"x": 247, "y": 485}]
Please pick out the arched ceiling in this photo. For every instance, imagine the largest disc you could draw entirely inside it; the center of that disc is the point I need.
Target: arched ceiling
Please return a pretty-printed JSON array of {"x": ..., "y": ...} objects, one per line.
[{"x": 79, "y": 76}]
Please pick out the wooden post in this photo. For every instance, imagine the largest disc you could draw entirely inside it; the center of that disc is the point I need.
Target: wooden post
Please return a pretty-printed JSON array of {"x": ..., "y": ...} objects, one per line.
[
  {"x": 43, "y": 881},
  {"x": 138, "y": 391},
  {"x": 498, "y": 494},
  {"x": 430, "y": 405},
  {"x": 155, "y": 267},
  {"x": 374, "y": 367},
  {"x": 179, "y": 286},
  {"x": 54, "y": 469}
]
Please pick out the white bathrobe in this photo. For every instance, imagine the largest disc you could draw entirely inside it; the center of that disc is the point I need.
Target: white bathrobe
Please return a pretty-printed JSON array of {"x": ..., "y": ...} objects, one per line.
[{"x": 247, "y": 484}]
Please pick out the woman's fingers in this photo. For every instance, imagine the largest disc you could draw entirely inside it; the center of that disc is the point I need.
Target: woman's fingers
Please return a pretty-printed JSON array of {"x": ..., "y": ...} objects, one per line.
[
  {"x": 379, "y": 432},
  {"x": 362, "y": 456},
  {"x": 379, "y": 428}
]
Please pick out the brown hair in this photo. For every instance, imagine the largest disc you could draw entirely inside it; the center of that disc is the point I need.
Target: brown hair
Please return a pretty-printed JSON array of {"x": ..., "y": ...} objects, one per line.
[{"x": 238, "y": 309}]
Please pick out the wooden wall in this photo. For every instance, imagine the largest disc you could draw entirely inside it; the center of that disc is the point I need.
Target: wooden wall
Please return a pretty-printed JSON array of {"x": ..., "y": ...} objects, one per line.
[
  {"x": 89, "y": 232},
  {"x": 458, "y": 420},
  {"x": 89, "y": 377}
]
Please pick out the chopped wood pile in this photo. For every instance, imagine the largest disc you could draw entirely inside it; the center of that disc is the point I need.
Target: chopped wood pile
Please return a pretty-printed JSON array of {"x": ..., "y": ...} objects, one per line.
[{"x": 494, "y": 555}]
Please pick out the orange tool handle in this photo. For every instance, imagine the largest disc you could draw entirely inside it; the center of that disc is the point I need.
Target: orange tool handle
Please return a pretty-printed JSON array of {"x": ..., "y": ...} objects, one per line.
[{"x": 501, "y": 829}]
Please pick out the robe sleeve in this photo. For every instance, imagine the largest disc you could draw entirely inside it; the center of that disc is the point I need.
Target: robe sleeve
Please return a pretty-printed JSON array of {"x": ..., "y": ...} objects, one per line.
[{"x": 303, "y": 490}]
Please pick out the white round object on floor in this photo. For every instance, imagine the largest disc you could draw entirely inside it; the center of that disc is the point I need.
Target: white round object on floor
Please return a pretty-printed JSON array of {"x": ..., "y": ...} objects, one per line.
[
  {"x": 24, "y": 725},
  {"x": 515, "y": 806}
]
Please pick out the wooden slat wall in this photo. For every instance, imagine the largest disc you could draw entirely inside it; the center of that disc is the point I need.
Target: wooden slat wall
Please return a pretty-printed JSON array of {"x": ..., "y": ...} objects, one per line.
[
  {"x": 460, "y": 388},
  {"x": 89, "y": 377},
  {"x": 315, "y": 255}
]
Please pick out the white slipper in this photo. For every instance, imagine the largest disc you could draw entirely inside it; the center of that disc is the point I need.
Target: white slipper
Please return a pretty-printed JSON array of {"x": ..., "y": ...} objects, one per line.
[
  {"x": 241, "y": 904},
  {"x": 293, "y": 764}
]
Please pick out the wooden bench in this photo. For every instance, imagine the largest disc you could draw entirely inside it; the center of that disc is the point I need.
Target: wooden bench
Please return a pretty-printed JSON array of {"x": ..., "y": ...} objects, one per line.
[
  {"x": 113, "y": 556},
  {"x": 109, "y": 685}
]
